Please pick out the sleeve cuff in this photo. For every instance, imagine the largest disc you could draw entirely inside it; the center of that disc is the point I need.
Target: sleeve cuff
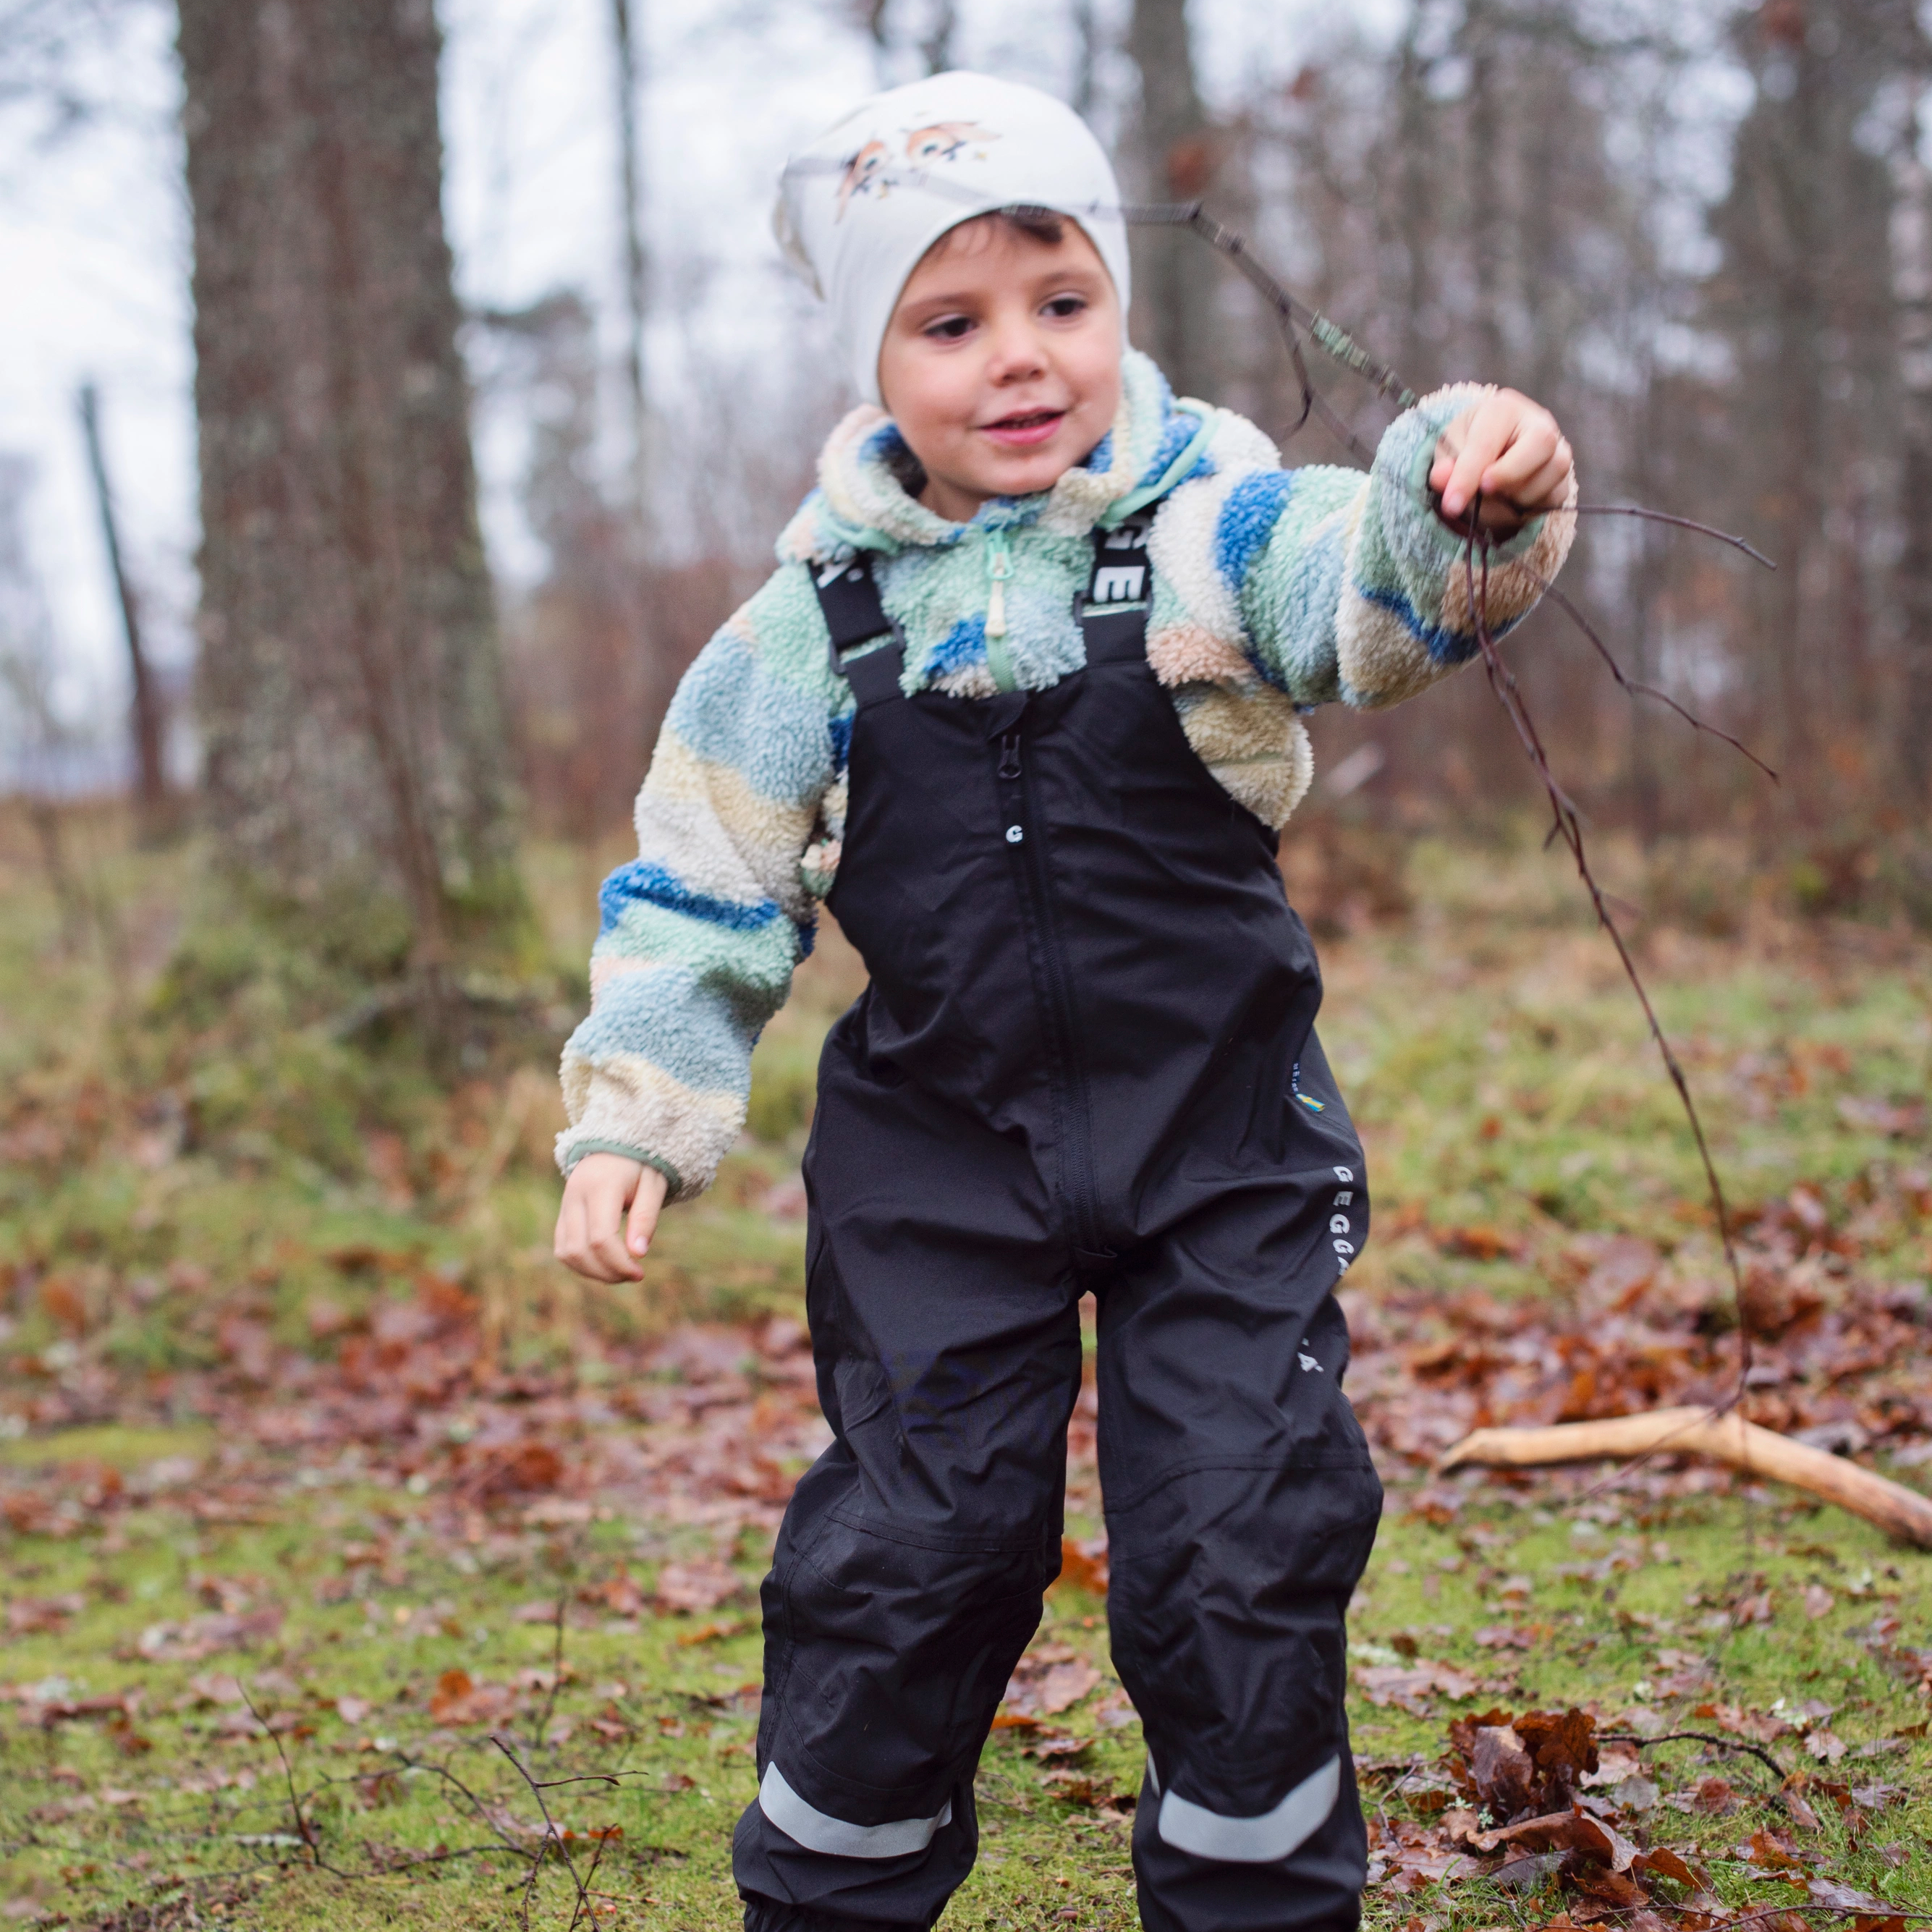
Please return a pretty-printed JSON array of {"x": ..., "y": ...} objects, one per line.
[{"x": 578, "y": 1149}]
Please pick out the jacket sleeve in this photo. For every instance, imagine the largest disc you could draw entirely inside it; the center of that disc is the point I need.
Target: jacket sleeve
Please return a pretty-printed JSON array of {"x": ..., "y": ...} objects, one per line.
[
  {"x": 700, "y": 933},
  {"x": 1340, "y": 585}
]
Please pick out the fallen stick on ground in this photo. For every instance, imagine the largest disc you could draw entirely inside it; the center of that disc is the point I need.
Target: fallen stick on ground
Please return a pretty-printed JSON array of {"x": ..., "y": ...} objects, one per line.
[{"x": 1728, "y": 1438}]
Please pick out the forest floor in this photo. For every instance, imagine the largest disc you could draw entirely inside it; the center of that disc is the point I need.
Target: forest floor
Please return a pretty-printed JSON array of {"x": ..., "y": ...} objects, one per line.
[{"x": 360, "y": 1568}]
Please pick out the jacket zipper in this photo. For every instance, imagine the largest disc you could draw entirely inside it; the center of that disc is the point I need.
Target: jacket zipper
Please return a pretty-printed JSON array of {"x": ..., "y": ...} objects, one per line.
[
  {"x": 1077, "y": 1160},
  {"x": 999, "y": 573}
]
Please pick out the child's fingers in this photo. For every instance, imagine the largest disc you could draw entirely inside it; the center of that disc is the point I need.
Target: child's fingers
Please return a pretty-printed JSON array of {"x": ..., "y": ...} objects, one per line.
[
  {"x": 1534, "y": 442},
  {"x": 1485, "y": 434},
  {"x": 645, "y": 1205},
  {"x": 567, "y": 1244},
  {"x": 1547, "y": 488},
  {"x": 577, "y": 1246},
  {"x": 590, "y": 1224},
  {"x": 609, "y": 1243}
]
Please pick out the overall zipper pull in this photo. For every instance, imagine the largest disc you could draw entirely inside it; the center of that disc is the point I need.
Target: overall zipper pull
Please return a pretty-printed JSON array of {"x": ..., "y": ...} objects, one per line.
[
  {"x": 1009, "y": 755},
  {"x": 999, "y": 568}
]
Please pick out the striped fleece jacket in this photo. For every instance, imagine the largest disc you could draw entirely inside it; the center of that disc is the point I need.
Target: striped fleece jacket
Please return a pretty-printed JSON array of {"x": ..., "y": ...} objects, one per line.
[{"x": 1275, "y": 590}]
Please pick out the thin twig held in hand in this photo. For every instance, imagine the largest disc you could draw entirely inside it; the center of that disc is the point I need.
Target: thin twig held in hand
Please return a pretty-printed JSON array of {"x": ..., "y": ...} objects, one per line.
[
  {"x": 1651, "y": 516},
  {"x": 1637, "y": 688},
  {"x": 1569, "y": 828}
]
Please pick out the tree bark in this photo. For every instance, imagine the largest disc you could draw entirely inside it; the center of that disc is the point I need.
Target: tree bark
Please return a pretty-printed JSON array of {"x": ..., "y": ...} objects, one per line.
[
  {"x": 636, "y": 267},
  {"x": 349, "y": 683},
  {"x": 1177, "y": 295},
  {"x": 1913, "y": 292}
]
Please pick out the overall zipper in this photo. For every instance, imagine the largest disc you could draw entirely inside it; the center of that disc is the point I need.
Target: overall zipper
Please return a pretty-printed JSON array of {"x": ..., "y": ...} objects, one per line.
[{"x": 1077, "y": 1167}]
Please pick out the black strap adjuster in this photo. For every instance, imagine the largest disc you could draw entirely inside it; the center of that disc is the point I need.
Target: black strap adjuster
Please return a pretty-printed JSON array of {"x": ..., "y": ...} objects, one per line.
[{"x": 848, "y": 599}]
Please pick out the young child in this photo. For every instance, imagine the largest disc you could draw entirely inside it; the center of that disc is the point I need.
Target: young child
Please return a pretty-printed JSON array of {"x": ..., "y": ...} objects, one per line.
[{"x": 1020, "y": 706}]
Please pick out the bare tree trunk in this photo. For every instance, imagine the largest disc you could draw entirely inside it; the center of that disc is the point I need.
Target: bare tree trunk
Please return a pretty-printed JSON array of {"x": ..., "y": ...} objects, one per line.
[
  {"x": 1807, "y": 285},
  {"x": 936, "y": 49},
  {"x": 151, "y": 779},
  {"x": 349, "y": 690},
  {"x": 879, "y": 26},
  {"x": 1414, "y": 201},
  {"x": 1176, "y": 305},
  {"x": 1483, "y": 186},
  {"x": 1913, "y": 575},
  {"x": 636, "y": 283},
  {"x": 1087, "y": 39}
]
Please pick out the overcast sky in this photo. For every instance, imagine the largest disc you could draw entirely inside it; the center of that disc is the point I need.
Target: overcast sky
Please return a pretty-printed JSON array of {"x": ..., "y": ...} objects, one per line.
[
  {"x": 95, "y": 241},
  {"x": 95, "y": 244}
]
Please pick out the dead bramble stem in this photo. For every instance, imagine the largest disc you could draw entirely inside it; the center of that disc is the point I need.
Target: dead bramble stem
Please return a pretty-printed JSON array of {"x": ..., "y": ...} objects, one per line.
[
  {"x": 552, "y": 1837},
  {"x": 1758, "y": 1751}
]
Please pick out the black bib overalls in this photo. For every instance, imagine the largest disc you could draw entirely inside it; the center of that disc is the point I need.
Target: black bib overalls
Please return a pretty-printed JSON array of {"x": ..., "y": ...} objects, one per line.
[{"x": 1086, "y": 1060}]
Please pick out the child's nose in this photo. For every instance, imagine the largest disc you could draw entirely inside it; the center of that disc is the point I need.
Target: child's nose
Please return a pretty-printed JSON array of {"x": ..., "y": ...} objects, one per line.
[{"x": 1018, "y": 351}]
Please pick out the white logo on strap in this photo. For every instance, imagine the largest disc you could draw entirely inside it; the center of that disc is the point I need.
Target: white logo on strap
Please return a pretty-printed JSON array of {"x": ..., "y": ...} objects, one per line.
[{"x": 1118, "y": 583}]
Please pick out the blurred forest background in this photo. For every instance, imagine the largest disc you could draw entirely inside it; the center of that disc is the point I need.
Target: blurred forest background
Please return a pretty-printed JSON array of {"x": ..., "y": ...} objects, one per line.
[
  {"x": 1701, "y": 233},
  {"x": 392, "y": 401}
]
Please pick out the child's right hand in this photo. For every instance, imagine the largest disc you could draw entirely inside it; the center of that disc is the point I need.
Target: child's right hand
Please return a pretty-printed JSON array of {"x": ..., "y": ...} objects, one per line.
[{"x": 593, "y": 1234}]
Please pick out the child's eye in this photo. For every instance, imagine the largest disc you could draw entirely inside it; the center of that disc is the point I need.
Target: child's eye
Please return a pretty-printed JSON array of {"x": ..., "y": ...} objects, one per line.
[
  {"x": 1061, "y": 306},
  {"x": 948, "y": 328}
]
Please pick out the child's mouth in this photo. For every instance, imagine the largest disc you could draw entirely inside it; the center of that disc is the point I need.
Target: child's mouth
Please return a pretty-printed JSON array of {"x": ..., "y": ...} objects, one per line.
[{"x": 1024, "y": 428}]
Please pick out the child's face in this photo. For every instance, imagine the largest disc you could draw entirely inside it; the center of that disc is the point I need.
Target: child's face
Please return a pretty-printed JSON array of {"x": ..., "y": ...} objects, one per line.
[{"x": 1001, "y": 365}]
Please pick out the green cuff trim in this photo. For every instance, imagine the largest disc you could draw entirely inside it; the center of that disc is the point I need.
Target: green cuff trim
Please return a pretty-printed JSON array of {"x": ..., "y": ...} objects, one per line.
[
  {"x": 579, "y": 1148},
  {"x": 1453, "y": 542}
]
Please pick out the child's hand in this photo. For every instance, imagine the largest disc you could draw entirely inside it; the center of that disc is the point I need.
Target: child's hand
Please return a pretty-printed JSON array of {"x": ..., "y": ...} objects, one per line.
[
  {"x": 592, "y": 1236},
  {"x": 1510, "y": 449}
]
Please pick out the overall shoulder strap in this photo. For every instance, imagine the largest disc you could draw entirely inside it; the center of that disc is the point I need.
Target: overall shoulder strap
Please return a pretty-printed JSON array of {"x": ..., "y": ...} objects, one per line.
[
  {"x": 1114, "y": 612},
  {"x": 867, "y": 650}
]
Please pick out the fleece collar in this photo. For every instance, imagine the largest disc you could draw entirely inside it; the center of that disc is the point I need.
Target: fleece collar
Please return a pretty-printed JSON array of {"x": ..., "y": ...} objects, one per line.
[{"x": 862, "y": 501}]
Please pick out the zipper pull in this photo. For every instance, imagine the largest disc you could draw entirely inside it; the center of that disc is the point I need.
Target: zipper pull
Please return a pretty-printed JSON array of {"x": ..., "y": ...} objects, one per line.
[
  {"x": 1009, "y": 755},
  {"x": 999, "y": 568}
]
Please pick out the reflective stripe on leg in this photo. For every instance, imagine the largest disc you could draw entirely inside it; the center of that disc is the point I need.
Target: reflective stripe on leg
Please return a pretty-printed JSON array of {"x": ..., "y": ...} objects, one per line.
[
  {"x": 1192, "y": 1828},
  {"x": 818, "y": 1830}
]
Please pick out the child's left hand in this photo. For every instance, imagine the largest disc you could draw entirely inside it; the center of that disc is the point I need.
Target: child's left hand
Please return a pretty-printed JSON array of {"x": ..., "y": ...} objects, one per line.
[{"x": 1509, "y": 450}]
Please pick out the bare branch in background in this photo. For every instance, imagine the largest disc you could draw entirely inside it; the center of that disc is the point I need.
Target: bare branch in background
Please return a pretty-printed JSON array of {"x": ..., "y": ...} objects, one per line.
[{"x": 151, "y": 783}]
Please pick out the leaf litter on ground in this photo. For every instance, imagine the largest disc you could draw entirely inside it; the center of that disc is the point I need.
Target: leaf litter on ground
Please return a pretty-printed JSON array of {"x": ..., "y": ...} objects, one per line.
[{"x": 366, "y": 1531}]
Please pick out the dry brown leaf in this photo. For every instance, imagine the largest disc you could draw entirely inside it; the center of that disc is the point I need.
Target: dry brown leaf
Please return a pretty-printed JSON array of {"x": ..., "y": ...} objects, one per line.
[{"x": 702, "y": 1584}]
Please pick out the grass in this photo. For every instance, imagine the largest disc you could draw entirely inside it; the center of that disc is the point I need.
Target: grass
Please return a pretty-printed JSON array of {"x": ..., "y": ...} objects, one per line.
[
  {"x": 167, "y": 1161},
  {"x": 92, "y": 1809}
]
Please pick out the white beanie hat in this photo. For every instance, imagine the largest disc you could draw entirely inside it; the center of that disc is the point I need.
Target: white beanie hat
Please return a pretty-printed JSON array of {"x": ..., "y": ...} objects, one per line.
[{"x": 860, "y": 206}]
